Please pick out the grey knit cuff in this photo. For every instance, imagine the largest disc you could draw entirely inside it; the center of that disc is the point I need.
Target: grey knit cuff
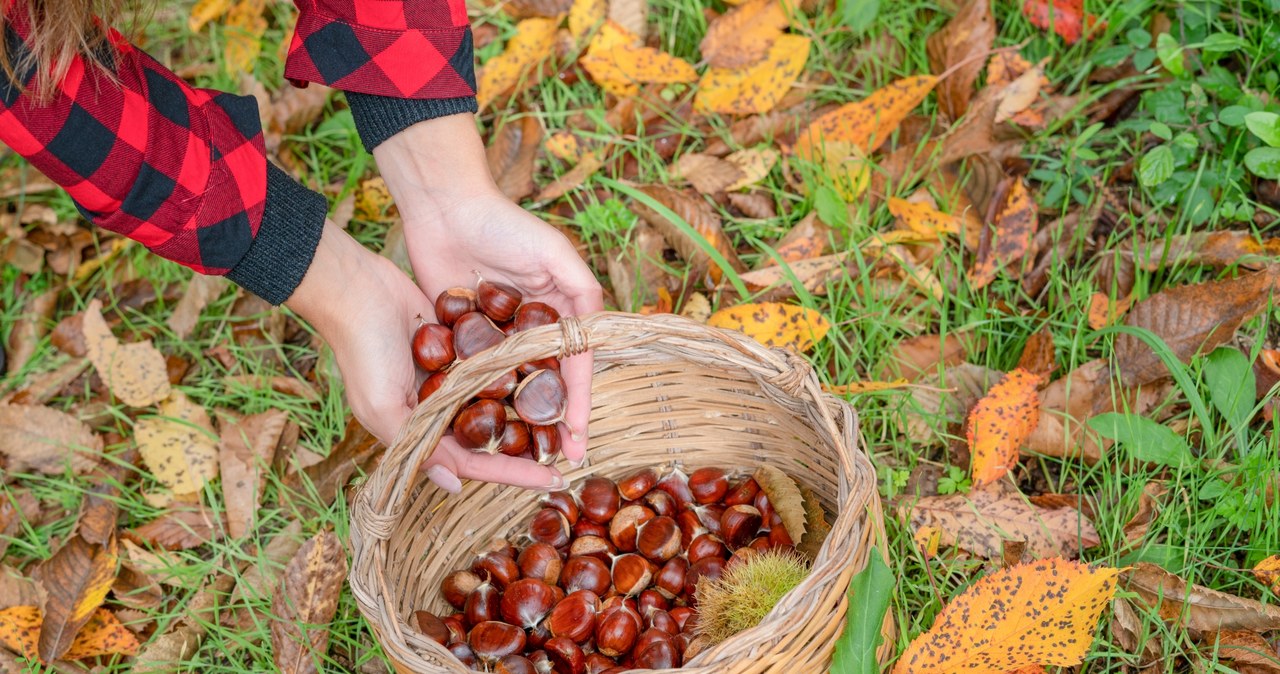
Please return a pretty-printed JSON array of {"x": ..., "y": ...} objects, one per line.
[
  {"x": 287, "y": 238},
  {"x": 381, "y": 117}
]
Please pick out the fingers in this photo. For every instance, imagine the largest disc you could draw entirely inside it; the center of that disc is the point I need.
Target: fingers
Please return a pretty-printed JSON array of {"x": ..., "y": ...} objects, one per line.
[
  {"x": 460, "y": 463},
  {"x": 573, "y": 433}
]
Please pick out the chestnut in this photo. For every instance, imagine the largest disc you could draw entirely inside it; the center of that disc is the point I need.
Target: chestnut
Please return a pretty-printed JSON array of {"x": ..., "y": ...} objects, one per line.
[
  {"x": 742, "y": 554},
  {"x": 739, "y": 524},
  {"x": 779, "y": 538},
  {"x": 533, "y": 315},
  {"x": 515, "y": 438},
  {"x": 464, "y": 654},
  {"x": 597, "y": 663},
  {"x": 430, "y": 385},
  {"x": 708, "y": 485},
  {"x": 499, "y": 388},
  {"x": 631, "y": 573},
  {"x": 690, "y": 527},
  {"x": 670, "y": 579},
  {"x": 660, "y": 502},
  {"x": 566, "y": 656},
  {"x": 637, "y": 484},
  {"x": 493, "y": 640},
  {"x": 498, "y": 301},
  {"x": 541, "y": 561},
  {"x": 592, "y": 546},
  {"x": 656, "y": 650},
  {"x": 574, "y": 617},
  {"x": 585, "y": 573},
  {"x": 710, "y": 517},
  {"x": 545, "y": 443},
  {"x": 651, "y": 599},
  {"x": 705, "y": 545},
  {"x": 616, "y": 631},
  {"x": 550, "y": 526},
  {"x": 433, "y": 347},
  {"x": 542, "y": 398},
  {"x": 659, "y": 619},
  {"x": 498, "y": 566},
  {"x": 515, "y": 664},
  {"x": 682, "y": 615},
  {"x": 565, "y": 502},
  {"x": 457, "y": 586},
  {"x": 742, "y": 493},
  {"x": 526, "y": 602},
  {"x": 480, "y": 425},
  {"x": 532, "y": 366},
  {"x": 473, "y": 333},
  {"x": 759, "y": 544},
  {"x": 453, "y": 304},
  {"x": 457, "y": 625},
  {"x": 483, "y": 604},
  {"x": 625, "y": 525},
  {"x": 761, "y": 502},
  {"x": 708, "y": 567},
  {"x": 676, "y": 484},
  {"x": 541, "y": 662},
  {"x": 600, "y": 499},
  {"x": 586, "y": 527},
  {"x": 658, "y": 539},
  {"x": 432, "y": 626}
]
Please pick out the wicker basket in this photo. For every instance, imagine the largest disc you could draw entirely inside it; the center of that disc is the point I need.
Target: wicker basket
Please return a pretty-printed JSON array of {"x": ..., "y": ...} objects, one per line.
[{"x": 666, "y": 390}]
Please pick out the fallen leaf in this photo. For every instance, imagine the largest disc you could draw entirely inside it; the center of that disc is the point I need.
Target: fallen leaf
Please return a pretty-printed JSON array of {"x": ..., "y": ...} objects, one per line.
[
  {"x": 945, "y": 399},
  {"x": 1037, "y": 355},
  {"x": 619, "y": 65},
  {"x": 136, "y": 589},
  {"x": 77, "y": 579},
  {"x": 511, "y": 154},
  {"x": 813, "y": 274},
  {"x": 199, "y": 293},
  {"x": 135, "y": 373},
  {"x": 865, "y": 387},
  {"x": 102, "y": 635},
  {"x": 523, "y": 9},
  {"x": 699, "y": 215},
  {"x": 1042, "y": 612},
  {"x": 179, "y": 445},
  {"x": 205, "y": 11},
  {"x": 774, "y": 324},
  {"x": 1002, "y": 70},
  {"x": 921, "y": 355},
  {"x": 18, "y": 590},
  {"x": 924, "y": 219},
  {"x": 983, "y": 519},
  {"x": 164, "y": 652},
  {"x": 1195, "y": 607},
  {"x": 34, "y": 437},
  {"x": 565, "y": 146},
  {"x": 295, "y": 109},
  {"x": 1134, "y": 634},
  {"x": 1000, "y": 423},
  {"x": 260, "y": 580},
  {"x": 1189, "y": 319},
  {"x": 532, "y": 42},
  {"x": 1214, "y": 249},
  {"x": 244, "y": 27},
  {"x": 865, "y": 124},
  {"x": 808, "y": 238},
  {"x": 755, "y": 164},
  {"x": 306, "y": 602},
  {"x": 330, "y": 475},
  {"x": 1248, "y": 651},
  {"x": 785, "y": 499},
  {"x": 20, "y": 630},
  {"x": 754, "y": 205},
  {"x": 245, "y": 450},
  {"x": 29, "y": 329},
  {"x": 631, "y": 15},
  {"x": 961, "y": 47},
  {"x": 1015, "y": 227},
  {"x": 373, "y": 201},
  {"x": 817, "y": 528},
  {"x": 1019, "y": 94},
  {"x": 280, "y": 384},
  {"x": 743, "y": 35},
  {"x": 1268, "y": 573},
  {"x": 696, "y": 307},
  {"x": 637, "y": 271},
  {"x": 585, "y": 16},
  {"x": 1066, "y": 17},
  {"x": 756, "y": 88},
  {"x": 706, "y": 173},
  {"x": 180, "y": 529},
  {"x": 1104, "y": 312},
  {"x": 573, "y": 178}
]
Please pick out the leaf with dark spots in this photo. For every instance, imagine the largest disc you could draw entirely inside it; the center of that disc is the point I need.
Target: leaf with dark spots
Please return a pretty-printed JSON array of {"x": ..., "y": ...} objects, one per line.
[
  {"x": 1015, "y": 227},
  {"x": 962, "y": 44},
  {"x": 245, "y": 451},
  {"x": 699, "y": 215},
  {"x": 306, "y": 602},
  {"x": 77, "y": 578},
  {"x": 511, "y": 154}
]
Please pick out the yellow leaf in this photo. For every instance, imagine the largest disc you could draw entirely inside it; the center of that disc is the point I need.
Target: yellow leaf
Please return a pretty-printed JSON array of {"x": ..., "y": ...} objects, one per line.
[
  {"x": 565, "y": 146},
  {"x": 774, "y": 324},
  {"x": 755, "y": 164},
  {"x": 585, "y": 15},
  {"x": 868, "y": 123},
  {"x": 927, "y": 539},
  {"x": 205, "y": 11},
  {"x": 744, "y": 34},
  {"x": 757, "y": 88},
  {"x": 104, "y": 634},
  {"x": 135, "y": 373},
  {"x": 1044, "y": 612},
  {"x": 533, "y": 41},
  {"x": 620, "y": 66},
  {"x": 20, "y": 630},
  {"x": 179, "y": 445},
  {"x": 1015, "y": 227},
  {"x": 77, "y": 578},
  {"x": 865, "y": 387},
  {"x": 847, "y": 168},
  {"x": 1000, "y": 423},
  {"x": 373, "y": 201},
  {"x": 923, "y": 218},
  {"x": 1268, "y": 573},
  {"x": 245, "y": 26},
  {"x": 1104, "y": 312}
]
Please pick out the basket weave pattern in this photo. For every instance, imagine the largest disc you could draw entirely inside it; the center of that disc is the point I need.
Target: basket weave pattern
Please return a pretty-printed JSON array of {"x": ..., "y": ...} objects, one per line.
[{"x": 666, "y": 391}]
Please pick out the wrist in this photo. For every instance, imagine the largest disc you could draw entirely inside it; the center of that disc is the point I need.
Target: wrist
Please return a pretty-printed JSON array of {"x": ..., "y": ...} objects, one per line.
[
  {"x": 339, "y": 275},
  {"x": 433, "y": 166}
]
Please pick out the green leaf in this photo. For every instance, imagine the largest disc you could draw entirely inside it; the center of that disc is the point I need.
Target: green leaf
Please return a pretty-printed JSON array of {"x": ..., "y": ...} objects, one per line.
[
  {"x": 1170, "y": 53},
  {"x": 1146, "y": 440},
  {"x": 1264, "y": 162},
  {"x": 1156, "y": 166},
  {"x": 1265, "y": 125},
  {"x": 831, "y": 207},
  {"x": 858, "y": 15},
  {"x": 1232, "y": 387},
  {"x": 869, "y": 595},
  {"x": 1233, "y": 115},
  {"x": 1161, "y": 130},
  {"x": 1223, "y": 43}
]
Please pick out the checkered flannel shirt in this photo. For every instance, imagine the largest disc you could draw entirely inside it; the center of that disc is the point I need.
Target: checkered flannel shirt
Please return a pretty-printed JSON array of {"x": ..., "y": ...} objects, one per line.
[{"x": 184, "y": 171}]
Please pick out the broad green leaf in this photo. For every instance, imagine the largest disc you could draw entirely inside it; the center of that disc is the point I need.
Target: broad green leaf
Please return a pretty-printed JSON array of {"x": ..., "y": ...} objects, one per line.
[
  {"x": 1146, "y": 440},
  {"x": 1265, "y": 125},
  {"x": 1161, "y": 130},
  {"x": 869, "y": 595},
  {"x": 858, "y": 15},
  {"x": 1223, "y": 43},
  {"x": 1170, "y": 53},
  {"x": 831, "y": 207},
  {"x": 1264, "y": 162},
  {"x": 1231, "y": 385},
  {"x": 1156, "y": 166}
]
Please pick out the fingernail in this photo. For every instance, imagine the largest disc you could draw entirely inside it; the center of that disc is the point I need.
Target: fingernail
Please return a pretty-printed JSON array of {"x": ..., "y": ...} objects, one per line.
[
  {"x": 558, "y": 482},
  {"x": 578, "y": 436},
  {"x": 444, "y": 479},
  {"x": 577, "y": 463}
]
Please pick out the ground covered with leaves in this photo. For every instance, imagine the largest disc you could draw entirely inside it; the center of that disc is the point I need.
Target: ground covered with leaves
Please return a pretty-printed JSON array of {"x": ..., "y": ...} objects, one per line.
[{"x": 1029, "y": 241}]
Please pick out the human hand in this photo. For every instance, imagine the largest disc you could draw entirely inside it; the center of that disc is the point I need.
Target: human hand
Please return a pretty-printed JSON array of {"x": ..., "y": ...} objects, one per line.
[{"x": 367, "y": 310}]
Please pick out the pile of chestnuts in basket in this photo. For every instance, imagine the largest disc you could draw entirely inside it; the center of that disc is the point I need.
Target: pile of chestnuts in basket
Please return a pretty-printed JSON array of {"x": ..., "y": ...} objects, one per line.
[
  {"x": 516, "y": 414},
  {"x": 605, "y": 577}
]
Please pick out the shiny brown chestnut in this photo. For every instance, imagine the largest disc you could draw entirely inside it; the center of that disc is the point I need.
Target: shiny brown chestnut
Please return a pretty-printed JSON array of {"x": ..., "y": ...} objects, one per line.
[
  {"x": 709, "y": 567},
  {"x": 498, "y": 301},
  {"x": 515, "y": 438},
  {"x": 483, "y": 604},
  {"x": 710, "y": 517},
  {"x": 585, "y": 573},
  {"x": 659, "y": 619},
  {"x": 457, "y": 586},
  {"x": 625, "y": 525},
  {"x": 540, "y": 561},
  {"x": 708, "y": 485},
  {"x": 430, "y": 385},
  {"x": 617, "y": 630},
  {"x": 682, "y": 615},
  {"x": 544, "y": 441},
  {"x": 464, "y": 654},
  {"x": 574, "y": 617},
  {"x": 598, "y": 663},
  {"x": 550, "y": 526},
  {"x": 493, "y": 640},
  {"x": 473, "y": 333},
  {"x": 433, "y": 347},
  {"x": 592, "y": 546},
  {"x": 761, "y": 502},
  {"x": 759, "y": 544},
  {"x": 453, "y": 304},
  {"x": 526, "y": 602},
  {"x": 742, "y": 493},
  {"x": 538, "y": 636},
  {"x": 658, "y": 539},
  {"x": 779, "y": 538},
  {"x": 600, "y": 499},
  {"x": 515, "y": 664},
  {"x": 676, "y": 484},
  {"x": 660, "y": 502},
  {"x": 637, "y": 484},
  {"x": 432, "y": 626},
  {"x": 480, "y": 425},
  {"x": 542, "y": 398},
  {"x": 500, "y": 388},
  {"x": 631, "y": 574},
  {"x": 690, "y": 527},
  {"x": 497, "y": 566},
  {"x": 651, "y": 599},
  {"x": 565, "y": 502},
  {"x": 705, "y": 545},
  {"x": 739, "y": 524},
  {"x": 655, "y": 649},
  {"x": 566, "y": 656},
  {"x": 533, "y": 315},
  {"x": 457, "y": 624},
  {"x": 586, "y": 527},
  {"x": 670, "y": 579},
  {"x": 526, "y": 369}
]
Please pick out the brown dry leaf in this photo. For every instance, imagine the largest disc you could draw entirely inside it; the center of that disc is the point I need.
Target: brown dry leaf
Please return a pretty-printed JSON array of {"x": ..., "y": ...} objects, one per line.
[
  {"x": 135, "y": 589},
  {"x": 808, "y": 238},
  {"x": 1000, "y": 423},
  {"x": 918, "y": 356},
  {"x": 816, "y": 525},
  {"x": 199, "y": 293},
  {"x": 533, "y": 41},
  {"x": 585, "y": 15},
  {"x": 135, "y": 372},
  {"x": 523, "y": 9},
  {"x": 573, "y": 178},
  {"x": 244, "y": 27},
  {"x": 757, "y": 88},
  {"x": 1019, "y": 94},
  {"x": 864, "y": 125},
  {"x": 280, "y": 384},
  {"x": 1190, "y": 319},
  {"x": 774, "y": 324},
  {"x": 1131, "y": 632},
  {"x": 1005, "y": 67},
  {"x": 77, "y": 578},
  {"x": 699, "y": 215},
  {"x": 619, "y": 64},
  {"x": 785, "y": 498},
  {"x": 1248, "y": 651},
  {"x": 963, "y": 45},
  {"x": 179, "y": 445},
  {"x": 30, "y": 328},
  {"x": 1268, "y": 573},
  {"x": 637, "y": 273},
  {"x": 982, "y": 519},
  {"x": 1195, "y": 607},
  {"x": 1037, "y": 355},
  {"x": 164, "y": 651},
  {"x": 1214, "y": 249},
  {"x": 331, "y": 474},
  {"x": 631, "y": 15},
  {"x": 1015, "y": 227},
  {"x": 1042, "y": 612},
  {"x": 34, "y": 437},
  {"x": 205, "y": 11},
  {"x": 511, "y": 154},
  {"x": 744, "y": 34},
  {"x": 44, "y": 386},
  {"x": 756, "y": 205},
  {"x": 1104, "y": 312},
  {"x": 181, "y": 529},
  {"x": 294, "y": 110},
  {"x": 813, "y": 274},
  {"x": 245, "y": 450},
  {"x": 924, "y": 219},
  {"x": 755, "y": 164},
  {"x": 696, "y": 307},
  {"x": 706, "y": 173},
  {"x": 306, "y": 602},
  {"x": 18, "y": 590},
  {"x": 945, "y": 399}
]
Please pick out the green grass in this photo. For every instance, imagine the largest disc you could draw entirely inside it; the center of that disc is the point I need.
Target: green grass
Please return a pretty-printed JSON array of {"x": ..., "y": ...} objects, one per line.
[{"x": 1209, "y": 530}]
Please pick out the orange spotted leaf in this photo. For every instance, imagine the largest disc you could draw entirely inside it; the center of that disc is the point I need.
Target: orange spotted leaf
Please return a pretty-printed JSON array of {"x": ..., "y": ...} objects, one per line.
[
  {"x": 104, "y": 634},
  {"x": 77, "y": 578},
  {"x": 1000, "y": 423},
  {"x": 743, "y": 35},
  {"x": 619, "y": 64},
  {"x": 868, "y": 123},
  {"x": 1268, "y": 573},
  {"x": 774, "y": 324},
  {"x": 924, "y": 219},
  {"x": 1041, "y": 613},
  {"x": 1104, "y": 312},
  {"x": 756, "y": 88},
  {"x": 533, "y": 41},
  {"x": 20, "y": 630},
  {"x": 1015, "y": 227}
]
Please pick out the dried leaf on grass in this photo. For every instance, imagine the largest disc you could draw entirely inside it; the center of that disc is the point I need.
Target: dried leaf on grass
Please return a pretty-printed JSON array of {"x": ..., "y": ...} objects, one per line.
[
  {"x": 306, "y": 602},
  {"x": 699, "y": 215},
  {"x": 1248, "y": 651},
  {"x": 918, "y": 356},
  {"x": 1195, "y": 607},
  {"x": 619, "y": 64},
  {"x": 135, "y": 373},
  {"x": 774, "y": 324},
  {"x": 983, "y": 519},
  {"x": 523, "y": 9},
  {"x": 102, "y": 634},
  {"x": 200, "y": 292},
  {"x": 756, "y": 88},
  {"x": 18, "y": 590},
  {"x": 164, "y": 651},
  {"x": 180, "y": 529},
  {"x": 1104, "y": 312},
  {"x": 924, "y": 219},
  {"x": 1037, "y": 355},
  {"x": 1214, "y": 249},
  {"x": 76, "y": 579},
  {"x": 331, "y": 473},
  {"x": 511, "y": 154},
  {"x": 636, "y": 272},
  {"x": 245, "y": 450},
  {"x": 1022, "y": 83},
  {"x": 532, "y": 42},
  {"x": 706, "y": 173},
  {"x": 785, "y": 498},
  {"x": 30, "y": 329},
  {"x": 573, "y": 178},
  {"x": 1015, "y": 227},
  {"x": 755, "y": 164},
  {"x": 179, "y": 445},
  {"x": 744, "y": 34},
  {"x": 45, "y": 440},
  {"x": 1268, "y": 573},
  {"x": 280, "y": 384},
  {"x": 585, "y": 15},
  {"x": 205, "y": 11},
  {"x": 999, "y": 424},
  {"x": 813, "y": 274},
  {"x": 1189, "y": 319},
  {"x": 631, "y": 15},
  {"x": 865, "y": 124},
  {"x": 962, "y": 44},
  {"x": 1043, "y": 612}
]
